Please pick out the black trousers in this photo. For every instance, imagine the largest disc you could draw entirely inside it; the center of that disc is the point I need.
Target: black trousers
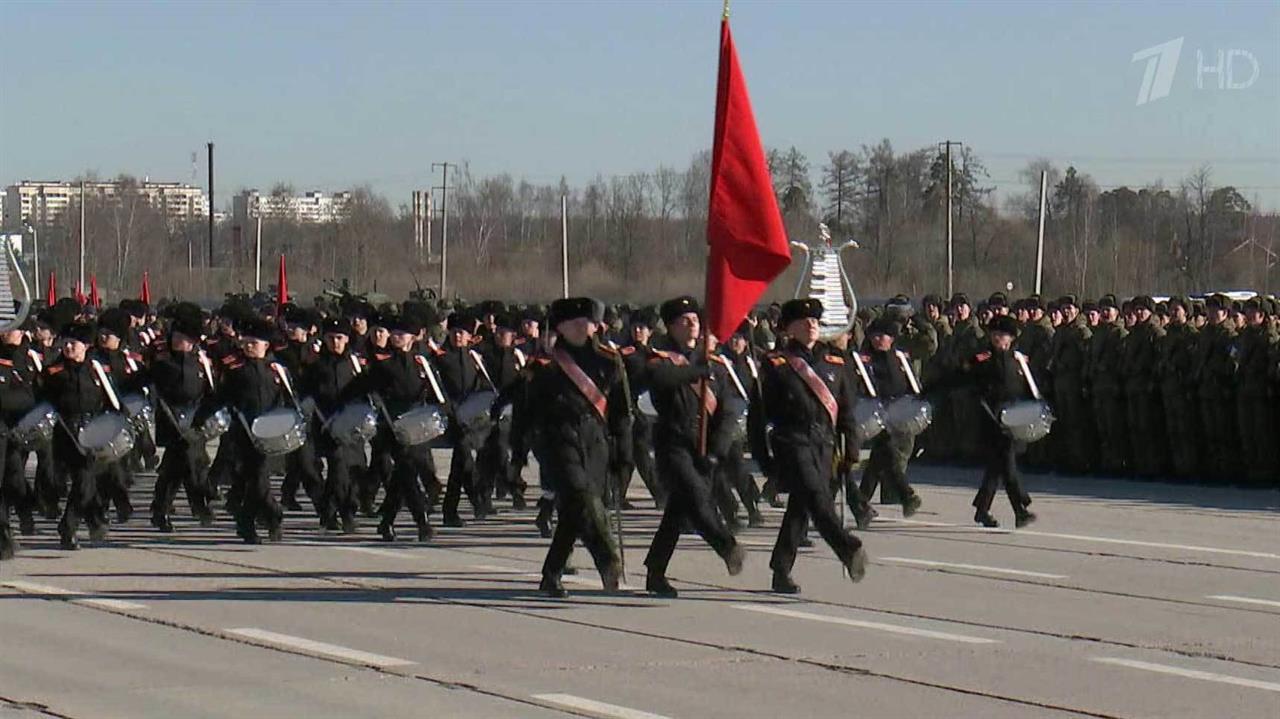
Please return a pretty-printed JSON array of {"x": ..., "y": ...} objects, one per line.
[
  {"x": 582, "y": 516},
  {"x": 82, "y": 499},
  {"x": 404, "y": 488},
  {"x": 250, "y": 481},
  {"x": 890, "y": 454},
  {"x": 643, "y": 463},
  {"x": 1001, "y": 468},
  {"x": 182, "y": 465},
  {"x": 378, "y": 472},
  {"x": 462, "y": 474},
  {"x": 734, "y": 476},
  {"x": 804, "y": 471},
  {"x": 18, "y": 496},
  {"x": 334, "y": 492},
  {"x": 689, "y": 498}
]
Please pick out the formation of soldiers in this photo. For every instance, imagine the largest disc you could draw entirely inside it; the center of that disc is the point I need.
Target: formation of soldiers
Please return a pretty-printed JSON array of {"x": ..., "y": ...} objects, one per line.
[{"x": 348, "y": 400}]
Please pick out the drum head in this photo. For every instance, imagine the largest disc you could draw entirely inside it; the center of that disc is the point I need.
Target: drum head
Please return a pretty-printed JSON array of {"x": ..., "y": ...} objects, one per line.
[
  {"x": 38, "y": 414},
  {"x": 276, "y": 423},
  {"x": 101, "y": 430}
]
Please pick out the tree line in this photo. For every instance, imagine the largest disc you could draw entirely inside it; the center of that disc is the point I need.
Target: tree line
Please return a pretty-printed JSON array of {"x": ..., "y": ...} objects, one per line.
[{"x": 641, "y": 237}]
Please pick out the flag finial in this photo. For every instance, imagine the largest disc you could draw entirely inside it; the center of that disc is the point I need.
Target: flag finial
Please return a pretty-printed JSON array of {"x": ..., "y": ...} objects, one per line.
[{"x": 726, "y": 10}]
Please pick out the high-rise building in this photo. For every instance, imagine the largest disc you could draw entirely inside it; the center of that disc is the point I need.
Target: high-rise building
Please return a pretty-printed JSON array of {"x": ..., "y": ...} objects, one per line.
[
  {"x": 309, "y": 207},
  {"x": 47, "y": 202}
]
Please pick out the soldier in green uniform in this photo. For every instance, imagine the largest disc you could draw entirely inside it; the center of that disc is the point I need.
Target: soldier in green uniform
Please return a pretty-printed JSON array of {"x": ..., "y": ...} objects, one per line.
[
  {"x": 1256, "y": 348},
  {"x": 1106, "y": 357},
  {"x": 1177, "y": 392},
  {"x": 1214, "y": 377},
  {"x": 967, "y": 340},
  {"x": 1142, "y": 389},
  {"x": 1072, "y": 435}
]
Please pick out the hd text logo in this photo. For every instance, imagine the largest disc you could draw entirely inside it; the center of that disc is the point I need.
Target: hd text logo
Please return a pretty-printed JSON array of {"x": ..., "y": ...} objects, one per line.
[{"x": 1233, "y": 69}]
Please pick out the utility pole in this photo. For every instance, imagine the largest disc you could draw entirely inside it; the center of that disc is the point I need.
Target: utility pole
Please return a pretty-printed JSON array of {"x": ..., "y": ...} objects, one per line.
[
  {"x": 211, "y": 205},
  {"x": 257, "y": 256},
  {"x": 444, "y": 222},
  {"x": 1044, "y": 192},
  {"x": 950, "y": 251},
  {"x": 564, "y": 244},
  {"x": 82, "y": 235}
]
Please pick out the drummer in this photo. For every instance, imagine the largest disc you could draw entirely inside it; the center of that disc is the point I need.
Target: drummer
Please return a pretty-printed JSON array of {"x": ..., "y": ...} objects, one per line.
[
  {"x": 999, "y": 379},
  {"x": 181, "y": 375},
  {"x": 251, "y": 386},
  {"x": 327, "y": 380},
  {"x": 78, "y": 394},
  {"x": 464, "y": 377},
  {"x": 127, "y": 374},
  {"x": 17, "y": 397},
  {"x": 401, "y": 382},
  {"x": 890, "y": 451}
]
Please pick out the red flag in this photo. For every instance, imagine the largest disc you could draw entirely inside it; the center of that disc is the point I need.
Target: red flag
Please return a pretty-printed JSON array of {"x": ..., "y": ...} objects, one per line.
[
  {"x": 94, "y": 299},
  {"x": 748, "y": 244},
  {"x": 79, "y": 295},
  {"x": 282, "y": 285},
  {"x": 52, "y": 295},
  {"x": 146, "y": 287}
]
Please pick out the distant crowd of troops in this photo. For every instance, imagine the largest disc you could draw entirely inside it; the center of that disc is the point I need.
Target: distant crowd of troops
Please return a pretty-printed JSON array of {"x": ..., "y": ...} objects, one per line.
[{"x": 1179, "y": 388}]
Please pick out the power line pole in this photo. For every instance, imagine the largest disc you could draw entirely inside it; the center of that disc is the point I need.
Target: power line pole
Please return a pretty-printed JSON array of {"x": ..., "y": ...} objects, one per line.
[
  {"x": 444, "y": 222},
  {"x": 82, "y": 235},
  {"x": 211, "y": 205},
  {"x": 950, "y": 252}
]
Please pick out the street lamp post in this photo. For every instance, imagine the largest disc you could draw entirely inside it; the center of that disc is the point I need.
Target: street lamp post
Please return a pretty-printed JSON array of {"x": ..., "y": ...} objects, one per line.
[{"x": 35, "y": 254}]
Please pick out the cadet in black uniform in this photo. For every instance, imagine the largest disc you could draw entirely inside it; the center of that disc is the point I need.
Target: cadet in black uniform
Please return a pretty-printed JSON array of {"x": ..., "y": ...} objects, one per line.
[
  {"x": 297, "y": 350},
  {"x": 78, "y": 394},
  {"x": 181, "y": 378},
  {"x": 999, "y": 380},
  {"x": 733, "y": 474},
  {"x": 890, "y": 451},
  {"x": 575, "y": 401},
  {"x": 327, "y": 380},
  {"x": 128, "y": 377},
  {"x": 675, "y": 376},
  {"x": 401, "y": 383},
  {"x": 378, "y": 472},
  {"x": 249, "y": 387},
  {"x": 17, "y": 397},
  {"x": 493, "y": 463},
  {"x": 636, "y": 355},
  {"x": 462, "y": 375},
  {"x": 809, "y": 400}
]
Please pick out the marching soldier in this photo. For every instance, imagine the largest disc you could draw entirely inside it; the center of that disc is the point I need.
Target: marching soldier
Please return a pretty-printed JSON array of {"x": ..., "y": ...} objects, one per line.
[
  {"x": 17, "y": 397},
  {"x": 1214, "y": 376},
  {"x": 744, "y": 366},
  {"x": 463, "y": 376},
  {"x": 890, "y": 451},
  {"x": 249, "y": 387},
  {"x": 1000, "y": 378},
  {"x": 328, "y": 381},
  {"x": 675, "y": 377},
  {"x": 576, "y": 400},
  {"x": 1256, "y": 349},
  {"x": 182, "y": 378},
  {"x": 809, "y": 401},
  {"x": 505, "y": 362},
  {"x": 636, "y": 356}
]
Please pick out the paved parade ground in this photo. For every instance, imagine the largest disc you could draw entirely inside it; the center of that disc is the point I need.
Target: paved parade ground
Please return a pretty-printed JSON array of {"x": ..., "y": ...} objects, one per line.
[{"x": 1126, "y": 599}]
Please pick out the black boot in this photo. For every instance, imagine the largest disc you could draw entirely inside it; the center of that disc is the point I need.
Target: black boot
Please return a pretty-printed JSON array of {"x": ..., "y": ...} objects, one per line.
[
  {"x": 782, "y": 583},
  {"x": 856, "y": 565},
  {"x": 348, "y": 524},
  {"x": 734, "y": 559},
  {"x": 425, "y": 533},
  {"x": 26, "y": 524},
  {"x": 387, "y": 531},
  {"x": 657, "y": 585},
  {"x": 1023, "y": 518},
  {"x": 985, "y": 519},
  {"x": 543, "y": 522},
  {"x": 910, "y": 505},
  {"x": 552, "y": 587},
  {"x": 162, "y": 523}
]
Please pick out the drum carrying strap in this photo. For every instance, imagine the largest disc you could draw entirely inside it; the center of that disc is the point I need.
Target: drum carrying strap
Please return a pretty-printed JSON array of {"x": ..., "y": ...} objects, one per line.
[
  {"x": 1026, "y": 374},
  {"x": 36, "y": 360},
  {"x": 521, "y": 360},
  {"x": 819, "y": 389},
  {"x": 283, "y": 375},
  {"x": 105, "y": 383},
  {"x": 431, "y": 377},
  {"x": 208, "y": 369},
  {"x": 737, "y": 383},
  {"x": 355, "y": 363},
  {"x": 475, "y": 357},
  {"x": 905, "y": 361},
  {"x": 864, "y": 374},
  {"x": 580, "y": 380}
]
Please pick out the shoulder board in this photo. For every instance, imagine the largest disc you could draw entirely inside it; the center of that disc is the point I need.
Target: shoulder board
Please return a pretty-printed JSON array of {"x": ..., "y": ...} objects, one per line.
[
  {"x": 606, "y": 350},
  {"x": 628, "y": 350},
  {"x": 380, "y": 356},
  {"x": 660, "y": 353},
  {"x": 476, "y": 340},
  {"x": 6, "y": 363},
  {"x": 834, "y": 359},
  {"x": 544, "y": 361},
  {"x": 279, "y": 347},
  {"x": 236, "y": 365},
  {"x": 982, "y": 357},
  {"x": 54, "y": 369},
  {"x": 777, "y": 360},
  {"x": 364, "y": 361},
  {"x": 721, "y": 359},
  {"x": 229, "y": 359},
  {"x": 135, "y": 356},
  {"x": 106, "y": 367},
  {"x": 437, "y": 351}
]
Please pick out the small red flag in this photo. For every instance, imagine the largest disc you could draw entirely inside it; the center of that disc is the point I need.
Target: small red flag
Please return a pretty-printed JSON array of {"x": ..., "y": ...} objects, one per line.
[
  {"x": 79, "y": 295},
  {"x": 94, "y": 299},
  {"x": 146, "y": 287},
  {"x": 282, "y": 285},
  {"x": 52, "y": 295},
  {"x": 747, "y": 242}
]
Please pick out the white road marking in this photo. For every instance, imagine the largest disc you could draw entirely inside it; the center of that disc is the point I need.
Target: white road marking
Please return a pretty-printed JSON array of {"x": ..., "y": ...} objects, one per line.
[
  {"x": 314, "y": 647},
  {"x": 1191, "y": 673},
  {"x": 1244, "y": 600},
  {"x": 71, "y": 595},
  {"x": 613, "y": 711},
  {"x": 376, "y": 552},
  {"x": 974, "y": 567},
  {"x": 755, "y": 543},
  {"x": 891, "y": 628},
  {"x": 1156, "y": 545},
  {"x": 566, "y": 578},
  {"x": 501, "y": 570}
]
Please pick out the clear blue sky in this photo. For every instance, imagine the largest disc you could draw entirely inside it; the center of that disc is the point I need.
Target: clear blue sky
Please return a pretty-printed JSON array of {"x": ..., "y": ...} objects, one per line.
[{"x": 333, "y": 94}]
